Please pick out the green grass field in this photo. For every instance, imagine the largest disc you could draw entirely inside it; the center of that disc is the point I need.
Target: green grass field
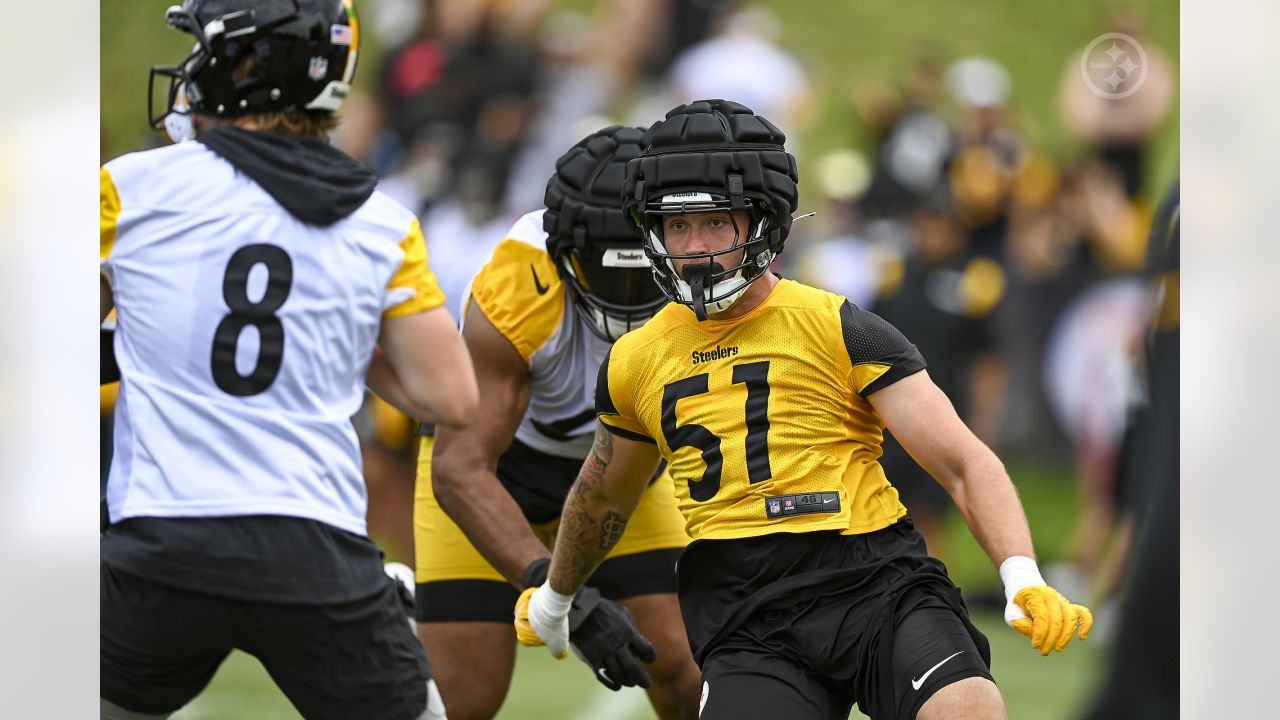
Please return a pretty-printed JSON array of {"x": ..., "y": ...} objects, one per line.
[{"x": 1054, "y": 688}]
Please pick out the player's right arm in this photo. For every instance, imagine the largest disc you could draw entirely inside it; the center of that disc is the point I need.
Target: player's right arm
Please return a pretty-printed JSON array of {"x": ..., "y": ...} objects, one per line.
[
  {"x": 606, "y": 492},
  {"x": 431, "y": 368},
  {"x": 464, "y": 466},
  {"x": 427, "y": 372}
]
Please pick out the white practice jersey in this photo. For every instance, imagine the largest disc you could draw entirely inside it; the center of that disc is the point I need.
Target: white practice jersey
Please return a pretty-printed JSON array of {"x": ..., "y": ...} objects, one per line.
[
  {"x": 243, "y": 339},
  {"x": 521, "y": 293}
]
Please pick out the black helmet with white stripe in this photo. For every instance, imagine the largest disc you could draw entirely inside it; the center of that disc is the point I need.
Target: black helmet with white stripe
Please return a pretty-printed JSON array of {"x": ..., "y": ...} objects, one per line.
[
  {"x": 595, "y": 247},
  {"x": 712, "y": 156}
]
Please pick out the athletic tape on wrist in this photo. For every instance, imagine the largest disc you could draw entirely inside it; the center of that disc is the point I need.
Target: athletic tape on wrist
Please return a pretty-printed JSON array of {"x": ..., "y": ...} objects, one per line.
[
  {"x": 552, "y": 601},
  {"x": 1017, "y": 572}
]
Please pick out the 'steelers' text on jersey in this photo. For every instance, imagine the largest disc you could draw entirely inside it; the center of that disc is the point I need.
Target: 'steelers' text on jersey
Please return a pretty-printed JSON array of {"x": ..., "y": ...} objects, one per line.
[
  {"x": 763, "y": 419},
  {"x": 521, "y": 293},
  {"x": 244, "y": 337}
]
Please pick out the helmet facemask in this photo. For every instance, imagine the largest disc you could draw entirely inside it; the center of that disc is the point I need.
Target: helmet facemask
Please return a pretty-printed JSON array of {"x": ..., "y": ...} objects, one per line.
[
  {"x": 706, "y": 286},
  {"x": 596, "y": 248},
  {"x": 613, "y": 286}
]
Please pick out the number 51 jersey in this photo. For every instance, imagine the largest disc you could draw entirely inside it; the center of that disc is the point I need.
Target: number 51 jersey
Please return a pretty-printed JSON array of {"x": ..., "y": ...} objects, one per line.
[
  {"x": 763, "y": 419},
  {"x": 244, "y": 337}
]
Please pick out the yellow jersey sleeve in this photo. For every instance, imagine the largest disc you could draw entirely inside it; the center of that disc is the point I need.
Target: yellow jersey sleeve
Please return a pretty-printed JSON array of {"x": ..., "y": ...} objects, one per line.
[
  {"x": 615, "y": 406},
  {"x": 413, "y": 288},
  {"x": 109, "y": 214},
  {"x": 879, "y": 353},
  {"x": 520, "y": 292}
]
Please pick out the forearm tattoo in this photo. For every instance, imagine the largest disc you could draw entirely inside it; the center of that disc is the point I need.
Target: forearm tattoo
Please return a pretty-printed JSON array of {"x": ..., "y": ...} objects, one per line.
[
  {"x": 583, "y": 540},
  {"x": 611, "y": 530}
]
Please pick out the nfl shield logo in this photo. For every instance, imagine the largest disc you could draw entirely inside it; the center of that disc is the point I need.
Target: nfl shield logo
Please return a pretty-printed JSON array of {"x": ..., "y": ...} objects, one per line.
[
  {"x": 774, "y": 506},
  {"x": 318, "y": 69}
]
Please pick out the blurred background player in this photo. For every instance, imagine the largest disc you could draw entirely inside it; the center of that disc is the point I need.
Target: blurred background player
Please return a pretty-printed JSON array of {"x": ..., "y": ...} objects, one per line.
[
  {"x": 943, "y": 296},
  {"x": 1144, "y": 669},
  {"x": 807, "y": 588},
  {"x": 563, "y": 285},
  {"x": 235, "y": 496}
]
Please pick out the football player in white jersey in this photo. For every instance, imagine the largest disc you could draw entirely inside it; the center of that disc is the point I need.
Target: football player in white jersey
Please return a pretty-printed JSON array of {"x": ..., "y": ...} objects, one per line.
[
  {"x": 541, "y": 314},
  {"x": 254, "y": 268}
]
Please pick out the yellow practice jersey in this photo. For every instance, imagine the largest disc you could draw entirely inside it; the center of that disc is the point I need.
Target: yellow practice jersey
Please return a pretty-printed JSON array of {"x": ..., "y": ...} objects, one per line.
[{"x": 763, "y": 419}]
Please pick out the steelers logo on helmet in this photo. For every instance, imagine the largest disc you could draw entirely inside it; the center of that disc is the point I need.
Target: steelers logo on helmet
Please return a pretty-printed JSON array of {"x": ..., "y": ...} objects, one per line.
[
  {"x": 596, "y": 249},
  {"x": 712, "y": 156},
  {"x": 254, "y": 56}
]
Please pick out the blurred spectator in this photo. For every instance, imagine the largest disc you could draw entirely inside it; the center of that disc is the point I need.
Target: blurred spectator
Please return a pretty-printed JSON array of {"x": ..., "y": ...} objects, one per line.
[
  {"x": 832, "y": 252},
  {"x": 639, "y": 40},
  {"x": 460, "y": 89},
  {"x": 577, "y": 87},
  {"x": 942, "y": 300},
  {"x": 1090, "y": 383},
  {"x": 986, "y": 161},
  {"x": 743, "y": 62},
  {"x": 1074, "y": 314},
  {"x": 1118, "y": 129},
  {"x": 915, "y": 144}
]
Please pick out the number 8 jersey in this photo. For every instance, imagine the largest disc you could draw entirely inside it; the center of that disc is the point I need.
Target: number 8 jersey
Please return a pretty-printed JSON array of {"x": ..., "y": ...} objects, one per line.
[
  {"x": 763, "y": 419},
  {"x": 243, "y": 339}
]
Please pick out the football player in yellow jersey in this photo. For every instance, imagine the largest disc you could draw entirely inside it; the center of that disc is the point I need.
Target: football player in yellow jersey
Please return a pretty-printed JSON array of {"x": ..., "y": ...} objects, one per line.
[
  {"x": 541, "y": 315},
  {"x": 807, "y": 588}
]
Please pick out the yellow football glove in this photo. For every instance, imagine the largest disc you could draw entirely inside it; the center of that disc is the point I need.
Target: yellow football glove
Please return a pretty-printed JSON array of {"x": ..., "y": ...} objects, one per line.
[
  {"x": 1038, "y": 611},
  {"x": 1050, "y": 619},
  {"x": 542, "y": 618}
]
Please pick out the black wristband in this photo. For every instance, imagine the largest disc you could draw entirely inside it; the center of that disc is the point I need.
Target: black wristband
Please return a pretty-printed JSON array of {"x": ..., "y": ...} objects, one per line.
[{"x": 536, "y": 573}]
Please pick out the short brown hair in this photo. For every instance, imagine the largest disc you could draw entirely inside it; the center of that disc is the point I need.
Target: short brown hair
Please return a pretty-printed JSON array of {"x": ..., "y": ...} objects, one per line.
[{"x": 315, "y": 124}]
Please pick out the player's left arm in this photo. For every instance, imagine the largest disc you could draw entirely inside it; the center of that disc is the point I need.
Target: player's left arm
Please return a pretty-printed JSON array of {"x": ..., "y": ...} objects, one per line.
[{"x": 921, "y": 417}]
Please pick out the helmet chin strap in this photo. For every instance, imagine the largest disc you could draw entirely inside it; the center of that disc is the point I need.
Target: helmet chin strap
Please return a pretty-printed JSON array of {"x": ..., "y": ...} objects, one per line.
[
  {"x": 178, "y": 123},
  {"x": 697, "y": 275}
]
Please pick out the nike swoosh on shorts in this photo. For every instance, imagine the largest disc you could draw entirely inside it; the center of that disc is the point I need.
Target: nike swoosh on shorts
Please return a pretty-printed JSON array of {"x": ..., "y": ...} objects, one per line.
[{"x": 915, "y": 684}]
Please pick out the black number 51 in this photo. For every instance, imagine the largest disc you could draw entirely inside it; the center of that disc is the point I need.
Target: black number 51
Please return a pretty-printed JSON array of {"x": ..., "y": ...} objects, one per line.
[{"x": 756, "y": 377}]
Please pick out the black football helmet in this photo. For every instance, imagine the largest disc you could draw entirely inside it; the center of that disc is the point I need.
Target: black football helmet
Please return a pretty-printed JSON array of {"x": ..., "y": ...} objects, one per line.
[
  {"x": 596, "y": 249},
  {"x": 305, "y": 54},
  {"x": 712, "y": 156}
]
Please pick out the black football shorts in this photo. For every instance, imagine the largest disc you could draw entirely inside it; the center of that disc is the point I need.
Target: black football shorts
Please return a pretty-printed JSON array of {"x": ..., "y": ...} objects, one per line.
[
  {"x": 888, "y": 638},
  {"x": 161, "y": 645}
]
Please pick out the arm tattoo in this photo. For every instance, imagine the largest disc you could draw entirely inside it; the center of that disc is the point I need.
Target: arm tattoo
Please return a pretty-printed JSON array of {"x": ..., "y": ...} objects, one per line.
[
  {"x": 583, "y": 540},
  {"x": 598, "y": 459},
  {"x": 611, "y": 530}
]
